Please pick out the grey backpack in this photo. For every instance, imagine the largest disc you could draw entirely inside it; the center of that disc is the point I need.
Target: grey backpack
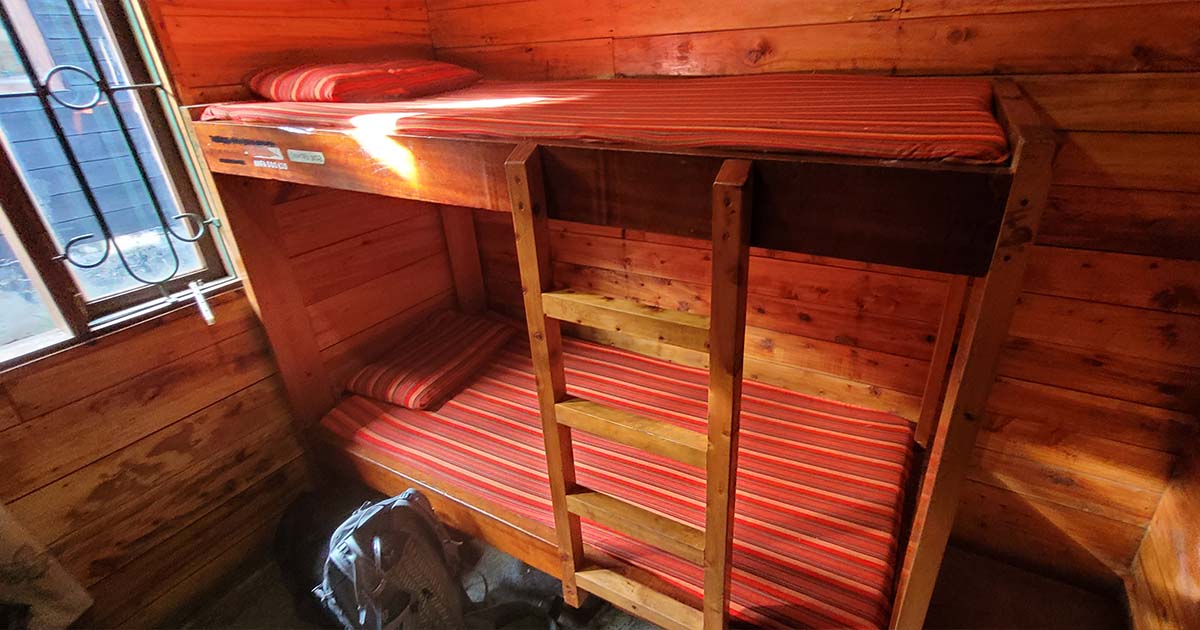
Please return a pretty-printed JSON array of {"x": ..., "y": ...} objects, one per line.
[{"x": 393, "y": 566}]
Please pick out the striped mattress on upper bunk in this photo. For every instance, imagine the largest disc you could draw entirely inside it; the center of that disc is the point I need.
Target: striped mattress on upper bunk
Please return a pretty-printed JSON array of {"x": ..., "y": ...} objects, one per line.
[
  {"x": 820, "y": 484},
  {"x": 847, "y": 115}
]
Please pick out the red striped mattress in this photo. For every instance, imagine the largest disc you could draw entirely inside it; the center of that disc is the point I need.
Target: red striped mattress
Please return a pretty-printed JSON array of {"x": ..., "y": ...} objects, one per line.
[
  {"x": 819, "y": 483},
  {"x": 863, "y": 116}
]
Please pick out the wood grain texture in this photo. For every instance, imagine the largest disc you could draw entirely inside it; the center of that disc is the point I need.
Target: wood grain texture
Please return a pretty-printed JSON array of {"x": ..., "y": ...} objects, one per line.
[
  {"x": 107, "y": 468},
  {"x": 1162, "y": 588},
  {"x": 190, "y": 31}
]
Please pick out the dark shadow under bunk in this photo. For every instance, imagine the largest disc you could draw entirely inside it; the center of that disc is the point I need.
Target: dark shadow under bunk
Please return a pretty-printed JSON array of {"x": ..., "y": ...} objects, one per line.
[{"x": 820, "y": 491}]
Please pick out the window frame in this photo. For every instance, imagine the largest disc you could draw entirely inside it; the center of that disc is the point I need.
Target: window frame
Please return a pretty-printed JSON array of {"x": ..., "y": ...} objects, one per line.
[{"x": 86, "y": 318}]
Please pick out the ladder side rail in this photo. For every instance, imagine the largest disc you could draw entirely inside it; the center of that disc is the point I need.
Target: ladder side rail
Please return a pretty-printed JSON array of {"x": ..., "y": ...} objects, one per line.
[
  {"x": 731, "y": 205},
  {"x": 531, "y": 227}
]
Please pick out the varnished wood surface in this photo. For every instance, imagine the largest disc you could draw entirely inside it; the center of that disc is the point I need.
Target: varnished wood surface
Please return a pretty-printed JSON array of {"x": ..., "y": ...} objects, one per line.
[
  {"x": 985, "y": 328},
  {"x": 909, "y": 214},
  {"x": 524, "y": 174},
  {"x": 151, "y": 473},
  {"x": 1162, "y": 584},
  {"x": 1119, "y": 82}
]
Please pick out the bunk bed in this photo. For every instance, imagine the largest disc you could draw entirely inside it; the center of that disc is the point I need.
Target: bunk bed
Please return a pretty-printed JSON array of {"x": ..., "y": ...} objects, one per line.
[{"x": 501, "y": 460}]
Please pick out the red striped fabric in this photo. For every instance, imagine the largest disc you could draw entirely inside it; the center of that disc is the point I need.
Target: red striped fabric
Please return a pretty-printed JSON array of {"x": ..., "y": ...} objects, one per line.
[
  {"x": 360, "y": 82},
  {"x": 820, "y": 484},
  {"x": 439, "y": 355},
  {"x": 868, "y": 116}
]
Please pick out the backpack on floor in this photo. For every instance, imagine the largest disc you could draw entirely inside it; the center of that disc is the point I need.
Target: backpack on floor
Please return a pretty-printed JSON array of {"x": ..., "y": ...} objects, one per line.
[{"x": 393, "y": 566}]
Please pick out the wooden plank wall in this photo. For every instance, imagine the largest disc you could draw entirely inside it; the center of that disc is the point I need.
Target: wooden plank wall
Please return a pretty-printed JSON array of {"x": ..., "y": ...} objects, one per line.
[
  {"x": 366, "y": 266},
  {"x": 211, "y": 45},
  {"x": 165, "y": 464},
  {"x": 851, "y": 332},
  {"x": 1165, "y": 585},
  {"x": 154, "y": 461},
  {"x": 1099, "y": 379}
]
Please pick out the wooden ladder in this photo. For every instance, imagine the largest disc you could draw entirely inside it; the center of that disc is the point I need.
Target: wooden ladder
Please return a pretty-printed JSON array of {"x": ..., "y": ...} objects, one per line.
[{"x": 721, "y": 335}]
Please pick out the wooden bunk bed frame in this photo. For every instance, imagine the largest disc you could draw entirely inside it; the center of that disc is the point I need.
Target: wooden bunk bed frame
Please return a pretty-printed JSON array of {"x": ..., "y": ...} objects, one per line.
[{"x": 976, "y": 222}]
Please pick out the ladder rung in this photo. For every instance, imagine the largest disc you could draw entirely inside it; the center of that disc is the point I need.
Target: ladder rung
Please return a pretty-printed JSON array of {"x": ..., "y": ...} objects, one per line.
[
  {"x": 675, "y": 328},
  {"x": 639, "y": 599},
  {"x": 683, "y": 540},
  {"x": 653, "y": 436}
]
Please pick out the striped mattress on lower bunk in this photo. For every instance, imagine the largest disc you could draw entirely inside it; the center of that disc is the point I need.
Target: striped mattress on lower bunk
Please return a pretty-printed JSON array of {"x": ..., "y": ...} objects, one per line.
[{"x": 820, "y": 484}]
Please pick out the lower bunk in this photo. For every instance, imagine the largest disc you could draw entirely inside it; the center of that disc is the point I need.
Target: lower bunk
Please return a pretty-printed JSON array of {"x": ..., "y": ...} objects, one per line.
[{"x": 820, "y": 484}]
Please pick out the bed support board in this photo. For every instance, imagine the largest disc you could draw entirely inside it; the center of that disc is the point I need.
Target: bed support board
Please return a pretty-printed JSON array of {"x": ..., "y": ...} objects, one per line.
[{"x": 935, "y": 217}]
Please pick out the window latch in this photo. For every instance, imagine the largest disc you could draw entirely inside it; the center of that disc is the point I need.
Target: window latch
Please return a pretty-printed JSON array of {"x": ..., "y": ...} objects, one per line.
[{"x": 202, "y": 303}]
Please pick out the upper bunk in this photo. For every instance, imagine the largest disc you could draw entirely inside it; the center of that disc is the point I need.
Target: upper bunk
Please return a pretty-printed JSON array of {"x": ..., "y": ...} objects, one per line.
[{"x": 900, "y": 171}]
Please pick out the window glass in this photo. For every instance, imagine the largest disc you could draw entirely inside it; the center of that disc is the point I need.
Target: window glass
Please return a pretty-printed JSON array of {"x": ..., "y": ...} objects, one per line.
[
  {"x": 28, "y": 320},
  {"x": 50, "y": 36}
]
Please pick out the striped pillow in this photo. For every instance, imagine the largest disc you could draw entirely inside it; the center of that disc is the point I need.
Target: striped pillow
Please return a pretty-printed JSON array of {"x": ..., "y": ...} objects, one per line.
[
  {"x": 436, "y": 359},
  {"x": 360, "y": 82}
]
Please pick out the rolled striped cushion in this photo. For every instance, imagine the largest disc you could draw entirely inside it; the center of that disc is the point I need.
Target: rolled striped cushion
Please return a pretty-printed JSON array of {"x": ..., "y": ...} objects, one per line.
[
  {"x": 908, "y": 118},
  {"x": 436, "y": 359},
  {"x": 392, "y": 80}
]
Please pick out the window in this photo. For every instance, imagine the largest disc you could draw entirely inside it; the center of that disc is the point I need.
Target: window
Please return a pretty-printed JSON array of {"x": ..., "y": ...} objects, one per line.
[{"x": 101, "y": 217}]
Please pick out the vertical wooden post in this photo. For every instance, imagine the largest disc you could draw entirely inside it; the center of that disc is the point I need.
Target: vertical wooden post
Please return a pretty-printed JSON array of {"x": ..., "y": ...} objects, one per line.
[
  {"x": 458, "y": 226},
  {"x": 531, "y": 226},
  {"x": 246, "y": 212},
  {"x": 935, "y": 378},
  {"x": 984, "y": 333},
  {"x": 726, "y": 342}
]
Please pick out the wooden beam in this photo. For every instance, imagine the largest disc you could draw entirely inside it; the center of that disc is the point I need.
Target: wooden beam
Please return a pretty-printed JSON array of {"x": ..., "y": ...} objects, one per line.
[
  {"x": 650, "y": 435},
  {"x": 675, "y": 328},
  {"x": 939, "y": 363},
  {"x": 266, "y": 272},
  {"x": 731, "y": 203},
  {"x": 984, "y": 335},
  {"x": 683, "y": 540},
  {"x": 458, "y": 225},
  {"x": 531, "y": 228},
  {"x": 936, "y": 217}
]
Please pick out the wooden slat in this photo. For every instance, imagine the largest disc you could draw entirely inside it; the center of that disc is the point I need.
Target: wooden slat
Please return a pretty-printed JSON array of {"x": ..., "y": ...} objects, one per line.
[
  {"x": 937, "y": 218},
  {"x": 935, "y": 379},
  {"x": 731, "y": 220},
  {"x": 1043, "y": 42},
  {"x": 530, "y": 216},
  {"x": 669, "y": 535},
  {"x": 608, "y": 313},
  {"x": 983, "y": 338},
  {"x": 1163, "y": 337},
  {"x": 542, "y": 61},
  {"x": 458, "y": 227},
  {"x": 640, "y": 600},
  {"x": 191, "y": 40},
  {"x": 108, "y": 484},
  {"x": 1129, "y": 160},
  {"x": 1147, "y": 222},
  {"x": 44, "y": 449},
  {"x": 277, "y": 299},
  {"x": 1145, "y": 282},
  {"x": 1118, "y": 102},
  {"x": 350, "y": 312},
  {"x": 37, "y": 388},
  {"x": 319, "y": 218},
  {"x": 105, "y": 544},
  {"x": 127, "y": 592},
  {"x": 653, "y": 436},
  {"x": 323, "y": 273},
  {"x": 1060, "y": 541}
]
